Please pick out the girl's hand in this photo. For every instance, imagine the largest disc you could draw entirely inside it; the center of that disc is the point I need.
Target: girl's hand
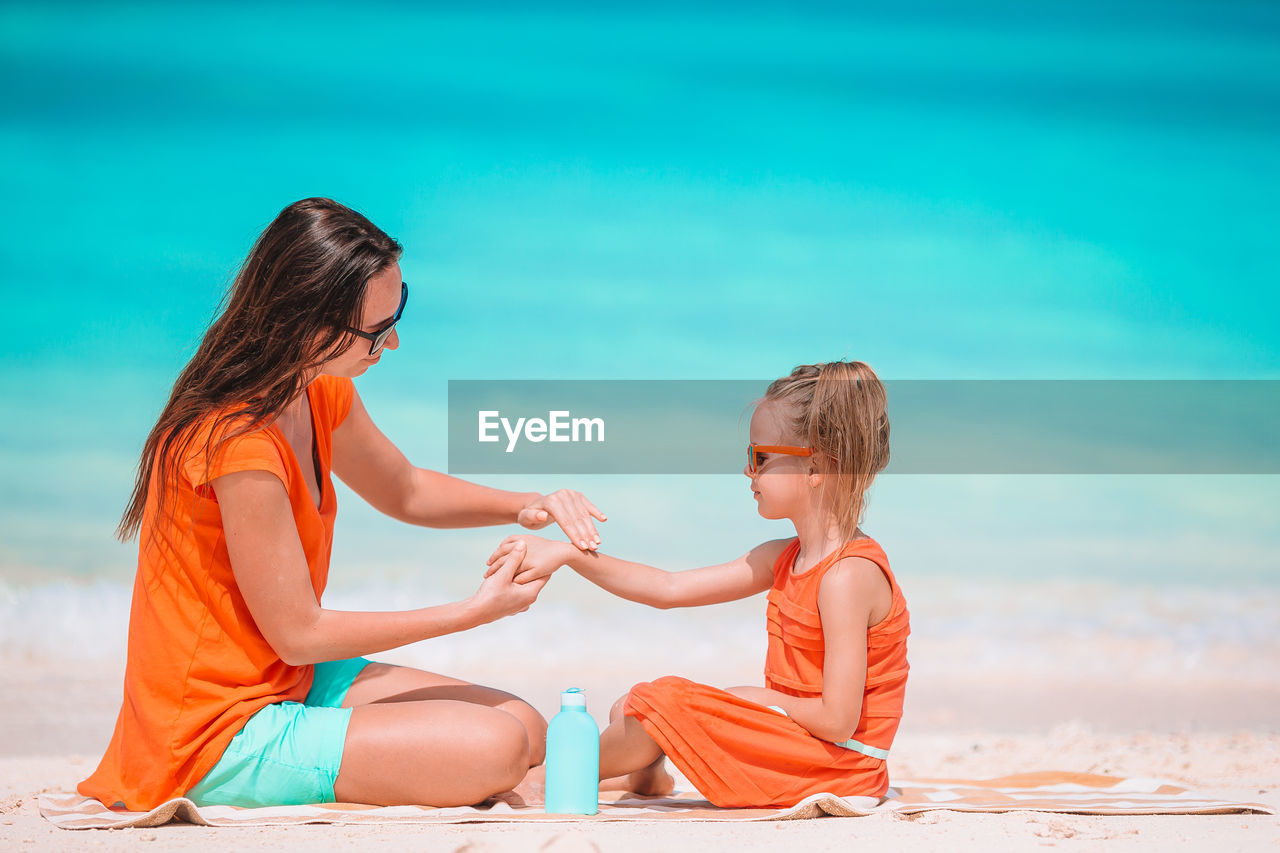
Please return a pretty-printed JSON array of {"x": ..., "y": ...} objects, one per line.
[
  {"x": 569, "y": 509},
  {"x": 539, "y": 557},
  {"x": 499, "y": 594}
]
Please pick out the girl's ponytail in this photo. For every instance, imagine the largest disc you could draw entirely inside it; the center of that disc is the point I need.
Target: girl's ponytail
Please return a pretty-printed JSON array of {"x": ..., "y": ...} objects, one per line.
[{"x": 841, "y": 413}]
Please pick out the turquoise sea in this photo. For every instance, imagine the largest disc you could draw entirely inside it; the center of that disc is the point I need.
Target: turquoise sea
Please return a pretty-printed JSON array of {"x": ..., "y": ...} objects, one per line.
[{"x": 982, "y": 190}]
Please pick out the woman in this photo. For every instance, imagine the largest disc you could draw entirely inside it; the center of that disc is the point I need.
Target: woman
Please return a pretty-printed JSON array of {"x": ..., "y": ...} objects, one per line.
[{"x": 240, "y": 687}]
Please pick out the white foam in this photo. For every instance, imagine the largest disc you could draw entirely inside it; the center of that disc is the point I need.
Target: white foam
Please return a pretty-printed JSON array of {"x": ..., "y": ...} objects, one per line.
[
  {"x": 958, "y": 628},
  {"x": 64, "y": 620}
]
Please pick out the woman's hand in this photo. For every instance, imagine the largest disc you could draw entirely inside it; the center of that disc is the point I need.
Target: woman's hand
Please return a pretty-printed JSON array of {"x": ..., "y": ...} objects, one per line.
[
  {"x": 500, "y": 594},
  {"x": 539, "y": 558},
  {"x": 569, "y": 509}
]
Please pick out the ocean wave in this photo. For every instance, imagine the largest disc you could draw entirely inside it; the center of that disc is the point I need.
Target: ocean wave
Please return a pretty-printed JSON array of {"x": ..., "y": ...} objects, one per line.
[{"x": 960, "y": 629}]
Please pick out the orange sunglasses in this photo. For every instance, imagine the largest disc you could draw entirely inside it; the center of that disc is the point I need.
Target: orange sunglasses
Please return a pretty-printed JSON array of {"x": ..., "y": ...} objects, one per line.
[{"x": 756, "y": 451}]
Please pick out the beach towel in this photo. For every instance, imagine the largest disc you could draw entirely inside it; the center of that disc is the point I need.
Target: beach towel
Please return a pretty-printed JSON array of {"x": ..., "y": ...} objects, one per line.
[{"x": 1061, "y": 792}]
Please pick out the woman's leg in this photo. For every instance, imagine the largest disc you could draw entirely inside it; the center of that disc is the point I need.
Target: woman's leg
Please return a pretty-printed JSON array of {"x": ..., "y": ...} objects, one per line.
[
  {"x": 380, "y": 683},
  {"x": 437, "y": 752}
]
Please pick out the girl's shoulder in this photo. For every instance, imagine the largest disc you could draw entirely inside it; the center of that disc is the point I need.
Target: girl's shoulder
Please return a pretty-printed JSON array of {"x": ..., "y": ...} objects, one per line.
[
  {"x": 863, "y": 555},
  {"x": 779, "y": 553},
  {"x": 860, "y": 562},
  {"x": 860, "y": 576},
  {"x": 860, "y": 549}
]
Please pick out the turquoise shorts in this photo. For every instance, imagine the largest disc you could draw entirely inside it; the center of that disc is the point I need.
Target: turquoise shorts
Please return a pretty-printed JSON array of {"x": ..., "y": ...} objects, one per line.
[{"x": 288, "y": 753}]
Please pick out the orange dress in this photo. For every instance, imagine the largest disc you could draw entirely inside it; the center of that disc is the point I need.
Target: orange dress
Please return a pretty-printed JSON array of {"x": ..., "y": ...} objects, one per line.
[
  {"x": 739, "y": 754},
  {"x": 198, "y": 667}
]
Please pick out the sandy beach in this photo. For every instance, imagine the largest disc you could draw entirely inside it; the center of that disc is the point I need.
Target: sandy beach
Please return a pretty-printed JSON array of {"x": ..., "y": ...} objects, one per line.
[
  {"x": 1219, "y": 740},
  {"x": 1049, "y": 228}
]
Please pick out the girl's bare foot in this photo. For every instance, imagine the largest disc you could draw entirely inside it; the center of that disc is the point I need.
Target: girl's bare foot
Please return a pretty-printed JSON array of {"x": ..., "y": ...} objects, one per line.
[{"x": 652, "y": 781}]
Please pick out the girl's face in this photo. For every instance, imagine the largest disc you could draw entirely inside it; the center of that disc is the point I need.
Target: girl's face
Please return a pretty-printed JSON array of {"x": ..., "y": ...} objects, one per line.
[
  {"x": 381, "y": 299},
  {"x": 781, "y": 484}
]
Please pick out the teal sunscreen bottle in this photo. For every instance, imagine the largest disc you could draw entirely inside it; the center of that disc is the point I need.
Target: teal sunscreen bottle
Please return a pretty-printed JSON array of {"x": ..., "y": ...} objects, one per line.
[{"x": 573, "y": 758}]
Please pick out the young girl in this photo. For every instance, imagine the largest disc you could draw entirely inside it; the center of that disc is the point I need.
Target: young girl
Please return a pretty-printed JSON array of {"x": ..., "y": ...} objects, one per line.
[{"x": 836, "y": 667}]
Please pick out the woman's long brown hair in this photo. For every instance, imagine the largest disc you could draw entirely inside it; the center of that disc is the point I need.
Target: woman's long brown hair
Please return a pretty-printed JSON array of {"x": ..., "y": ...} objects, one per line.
[{"x": 287, "y": 311}]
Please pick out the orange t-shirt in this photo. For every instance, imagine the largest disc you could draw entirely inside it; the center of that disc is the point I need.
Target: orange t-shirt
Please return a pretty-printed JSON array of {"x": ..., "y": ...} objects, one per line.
[{"x": 198, "y": 667}]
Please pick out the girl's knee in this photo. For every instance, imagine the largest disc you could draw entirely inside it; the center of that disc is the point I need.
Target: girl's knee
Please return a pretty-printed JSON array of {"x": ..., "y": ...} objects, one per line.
[{"x": 619, "y": 708}]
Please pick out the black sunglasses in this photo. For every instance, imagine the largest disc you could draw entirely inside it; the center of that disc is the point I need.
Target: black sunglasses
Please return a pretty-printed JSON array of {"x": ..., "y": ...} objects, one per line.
[{"x": 378, "y": 338}]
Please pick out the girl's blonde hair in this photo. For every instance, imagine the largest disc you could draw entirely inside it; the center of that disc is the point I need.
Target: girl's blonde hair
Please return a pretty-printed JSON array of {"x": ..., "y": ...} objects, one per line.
[{"x": 840, "y": 412}]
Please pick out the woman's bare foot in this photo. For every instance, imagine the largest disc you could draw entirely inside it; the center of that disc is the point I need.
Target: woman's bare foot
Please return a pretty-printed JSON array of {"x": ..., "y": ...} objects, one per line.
[
  {"x": 652, "y": 781},
  {"x": 532, "y": 790}
]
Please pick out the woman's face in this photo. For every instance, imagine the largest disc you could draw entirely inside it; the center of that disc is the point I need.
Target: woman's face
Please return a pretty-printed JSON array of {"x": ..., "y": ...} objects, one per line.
[{"x": 381, "y": 299}]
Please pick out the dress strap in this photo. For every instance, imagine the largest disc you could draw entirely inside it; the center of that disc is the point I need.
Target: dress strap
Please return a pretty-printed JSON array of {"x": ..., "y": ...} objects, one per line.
[
  {"x": 855, "y": 745},
  {"x": 865, "y": 749}
]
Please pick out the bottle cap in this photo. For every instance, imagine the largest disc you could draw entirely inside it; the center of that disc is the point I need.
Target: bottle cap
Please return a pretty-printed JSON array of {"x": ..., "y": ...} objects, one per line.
[{"x": 573, "y": 698}]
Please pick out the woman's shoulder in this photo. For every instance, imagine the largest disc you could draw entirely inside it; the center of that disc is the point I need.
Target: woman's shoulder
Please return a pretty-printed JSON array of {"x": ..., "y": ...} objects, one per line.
[
  {"x": 216, "y": 426},
  {"x": 334, "y": 395},
  {"x": 226, "y": 440}
]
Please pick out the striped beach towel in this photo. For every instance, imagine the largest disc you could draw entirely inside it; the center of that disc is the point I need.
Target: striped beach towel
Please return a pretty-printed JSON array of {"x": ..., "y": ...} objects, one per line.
[{"x": 1067, "y": 793}]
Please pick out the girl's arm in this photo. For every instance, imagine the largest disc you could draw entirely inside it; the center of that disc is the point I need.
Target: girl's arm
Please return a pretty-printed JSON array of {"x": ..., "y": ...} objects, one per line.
[
  {"x": 749, "y": 574},
  {"x": 270, "y": 568},
  {"x": 376, "y": 470},
  {"x": 850, "y": 592}
]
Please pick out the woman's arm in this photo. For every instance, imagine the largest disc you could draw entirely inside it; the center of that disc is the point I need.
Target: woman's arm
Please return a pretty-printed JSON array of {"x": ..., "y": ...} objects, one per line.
[
  {"x": 747, "y": 575},
  {"x": 271, "y": 571},
  {"x": 374, "y": 468},
  {"x": 845, "y": 601}
]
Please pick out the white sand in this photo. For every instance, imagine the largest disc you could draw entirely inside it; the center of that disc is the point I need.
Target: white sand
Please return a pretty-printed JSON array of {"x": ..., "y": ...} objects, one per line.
[{"x": 1220, "y": 740}]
